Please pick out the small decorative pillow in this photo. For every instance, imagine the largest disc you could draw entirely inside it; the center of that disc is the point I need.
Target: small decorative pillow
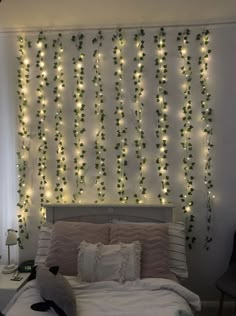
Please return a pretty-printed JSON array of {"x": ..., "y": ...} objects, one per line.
[
  {"x": 56, "y": 292},
  {"x": 98, "y": 262}
]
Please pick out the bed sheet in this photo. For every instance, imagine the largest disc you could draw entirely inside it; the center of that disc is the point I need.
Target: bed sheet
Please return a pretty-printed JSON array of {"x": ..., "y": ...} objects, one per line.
[{"x": 149, "y": 297}]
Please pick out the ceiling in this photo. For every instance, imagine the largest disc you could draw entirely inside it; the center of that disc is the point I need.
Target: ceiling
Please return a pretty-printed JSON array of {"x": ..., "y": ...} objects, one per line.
[{"x": 17, "y": 14}]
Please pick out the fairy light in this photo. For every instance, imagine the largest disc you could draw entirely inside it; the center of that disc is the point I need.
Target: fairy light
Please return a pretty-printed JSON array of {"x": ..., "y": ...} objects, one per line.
[
  {"x": 162, "y": 118},
  {"x": 100, "y": 148},
  {"x": 58, "y": 125},
  {"x": 24, "y": 137},
  {"x": 79, "y": 119},
  {"x": 61, "y": 166},
  {"x": 121, "y": 131},
  {"x": 186, "y": 135},
  {"x": 41, "y": 115},
  {"x": 207, "y": 129},
  {"x": 138, "y": 100}
]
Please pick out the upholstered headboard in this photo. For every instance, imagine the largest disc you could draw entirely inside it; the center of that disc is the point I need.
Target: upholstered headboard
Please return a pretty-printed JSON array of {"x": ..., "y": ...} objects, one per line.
[{"x": 105, "y": 213}]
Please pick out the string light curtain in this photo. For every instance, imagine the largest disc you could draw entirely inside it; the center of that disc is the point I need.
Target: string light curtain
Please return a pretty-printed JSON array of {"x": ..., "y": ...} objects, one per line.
[{"x": 94, "y": 119}]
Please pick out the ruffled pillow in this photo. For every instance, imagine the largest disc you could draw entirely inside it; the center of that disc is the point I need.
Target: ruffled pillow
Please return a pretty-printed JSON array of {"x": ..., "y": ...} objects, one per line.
[{"x": 99, "y": 262}]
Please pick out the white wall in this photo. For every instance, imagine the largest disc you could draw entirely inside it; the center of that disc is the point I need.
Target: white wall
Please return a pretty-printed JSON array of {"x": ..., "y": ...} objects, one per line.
[
  {"x": 8, "y": 172},
  {"x": 105, "y": 13},
  {"x": 205, "y": 267},
  {"x": 208, "y": 266}
]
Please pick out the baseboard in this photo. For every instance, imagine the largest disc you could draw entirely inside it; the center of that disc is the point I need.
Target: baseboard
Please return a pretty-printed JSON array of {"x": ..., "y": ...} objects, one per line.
[
  {"x": 210, "y": 308},
  {"x": 215, "y": 304}
]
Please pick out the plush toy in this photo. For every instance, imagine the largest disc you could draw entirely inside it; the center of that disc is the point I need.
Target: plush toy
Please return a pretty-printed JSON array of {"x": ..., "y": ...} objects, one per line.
[{"x": 55, "y": 290}]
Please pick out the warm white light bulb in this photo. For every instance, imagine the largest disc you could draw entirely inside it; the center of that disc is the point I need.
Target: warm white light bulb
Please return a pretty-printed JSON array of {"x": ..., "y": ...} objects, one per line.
[
  {"x": 188, "y": 208},
  {"x": 26, "y": 61},
  {"x": 184, "y": 51}
]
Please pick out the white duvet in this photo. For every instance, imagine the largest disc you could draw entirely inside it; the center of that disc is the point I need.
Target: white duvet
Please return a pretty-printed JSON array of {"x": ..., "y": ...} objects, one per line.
[{"x": 146, "y": 297}]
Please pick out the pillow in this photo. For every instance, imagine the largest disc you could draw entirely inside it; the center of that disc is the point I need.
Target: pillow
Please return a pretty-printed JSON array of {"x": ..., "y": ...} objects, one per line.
[
  {"x": 154, "y": 243},
  {"x": 98, "y": 262},
  {"x": 177, "y": 246},
  {"x": 177, "y": 249},
  {"x": 67, "y": 236},
  {"x": 44, "y": 240},
  {"x": 56, "y": 292}
]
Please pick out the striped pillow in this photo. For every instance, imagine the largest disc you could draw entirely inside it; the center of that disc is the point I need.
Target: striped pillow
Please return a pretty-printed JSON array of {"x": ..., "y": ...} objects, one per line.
[
  {"x": 44, "y": 241},
  {"x": 177, "y": 250}
]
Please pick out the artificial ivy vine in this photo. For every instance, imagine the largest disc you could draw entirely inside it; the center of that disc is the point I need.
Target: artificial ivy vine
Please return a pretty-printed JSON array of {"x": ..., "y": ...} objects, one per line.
[
  {"x": 186, "y": 135},
  {"x": 138, "y": 99},
  {"x": 41, "y": 115},
  {"x": 79, "y": 118},
  {"x": 100, "y": 148},
  {"x": 50, "y": 94},
  {"x": 162, "y": 116},
  {"x": 121, "y": 146},
  {"x": 23, "y": 80},
  {"x": 206, "y": 117},
  {"x": 59, "y": 86}
]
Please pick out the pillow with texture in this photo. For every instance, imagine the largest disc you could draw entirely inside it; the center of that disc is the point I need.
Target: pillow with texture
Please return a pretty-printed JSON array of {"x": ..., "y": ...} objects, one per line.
[
  {"x": 99, "y": 262},
  {"x": 177, "y": 246},
  {"x": 177, "y": 249},
  {"x": 56, "y": 291},
  {"x": 67, "y": 236},
  {"x": 154, "y": 241},
  {"x": 44, "y": 240}
]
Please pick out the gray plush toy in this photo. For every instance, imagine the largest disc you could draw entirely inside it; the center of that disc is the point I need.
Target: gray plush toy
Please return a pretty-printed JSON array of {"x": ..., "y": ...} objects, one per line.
[{"x": 56, "y": 292}]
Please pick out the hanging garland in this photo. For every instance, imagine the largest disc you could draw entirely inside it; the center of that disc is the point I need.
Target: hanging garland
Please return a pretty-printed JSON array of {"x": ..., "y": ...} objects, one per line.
[
  {"x": 162, "y": 117},
  {"x": 59, "y": 86},
  {"x": 206, "y": 117},
  {"x": 186, "y": 135},
  {"x": 79, "y": 118},
  {"x": 42, "y": 112},
  {"x": 41, "y": 116},
  {"x": 23, "y": 80},
  {"x": 138, "y": 99},
  {"x": 121, "y": 131},
  {"x": 100, "y": 148}
]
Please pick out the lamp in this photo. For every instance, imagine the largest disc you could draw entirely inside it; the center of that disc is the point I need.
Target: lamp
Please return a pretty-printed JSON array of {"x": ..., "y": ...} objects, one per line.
[{"x": 11, "y": 240}]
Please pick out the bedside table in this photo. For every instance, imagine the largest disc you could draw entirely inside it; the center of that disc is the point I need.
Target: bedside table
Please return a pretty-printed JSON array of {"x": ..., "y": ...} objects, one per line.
[{"x": 8, "y": 288}]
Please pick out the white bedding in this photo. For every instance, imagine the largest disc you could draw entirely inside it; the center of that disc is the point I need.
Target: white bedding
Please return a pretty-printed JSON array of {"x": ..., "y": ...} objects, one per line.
[{"x": 149, "y": 297}]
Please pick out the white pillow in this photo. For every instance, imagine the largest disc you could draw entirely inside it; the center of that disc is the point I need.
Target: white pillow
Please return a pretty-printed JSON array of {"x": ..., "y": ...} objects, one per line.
[
  {"x": 98, "y": 262},
  {"x": 44, "y": 240},
  {"x": 177, "y": 246},
  {"x": 177, "y": 250}
]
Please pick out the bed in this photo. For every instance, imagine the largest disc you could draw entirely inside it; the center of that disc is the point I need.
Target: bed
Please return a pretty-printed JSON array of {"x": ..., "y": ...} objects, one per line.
[{"x": 102, "y": 291}]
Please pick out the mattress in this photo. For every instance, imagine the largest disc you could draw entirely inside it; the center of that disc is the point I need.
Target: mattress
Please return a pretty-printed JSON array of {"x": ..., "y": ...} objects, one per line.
[{"x": 149, "y": 297}]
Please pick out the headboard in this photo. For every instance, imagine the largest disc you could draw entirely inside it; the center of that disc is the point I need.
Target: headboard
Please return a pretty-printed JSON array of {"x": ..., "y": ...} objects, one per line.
[{"x": 105, "y": 213}]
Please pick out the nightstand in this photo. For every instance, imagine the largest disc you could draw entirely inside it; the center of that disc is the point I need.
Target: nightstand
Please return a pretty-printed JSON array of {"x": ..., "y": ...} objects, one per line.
[{"x": 8, "y": 288}]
